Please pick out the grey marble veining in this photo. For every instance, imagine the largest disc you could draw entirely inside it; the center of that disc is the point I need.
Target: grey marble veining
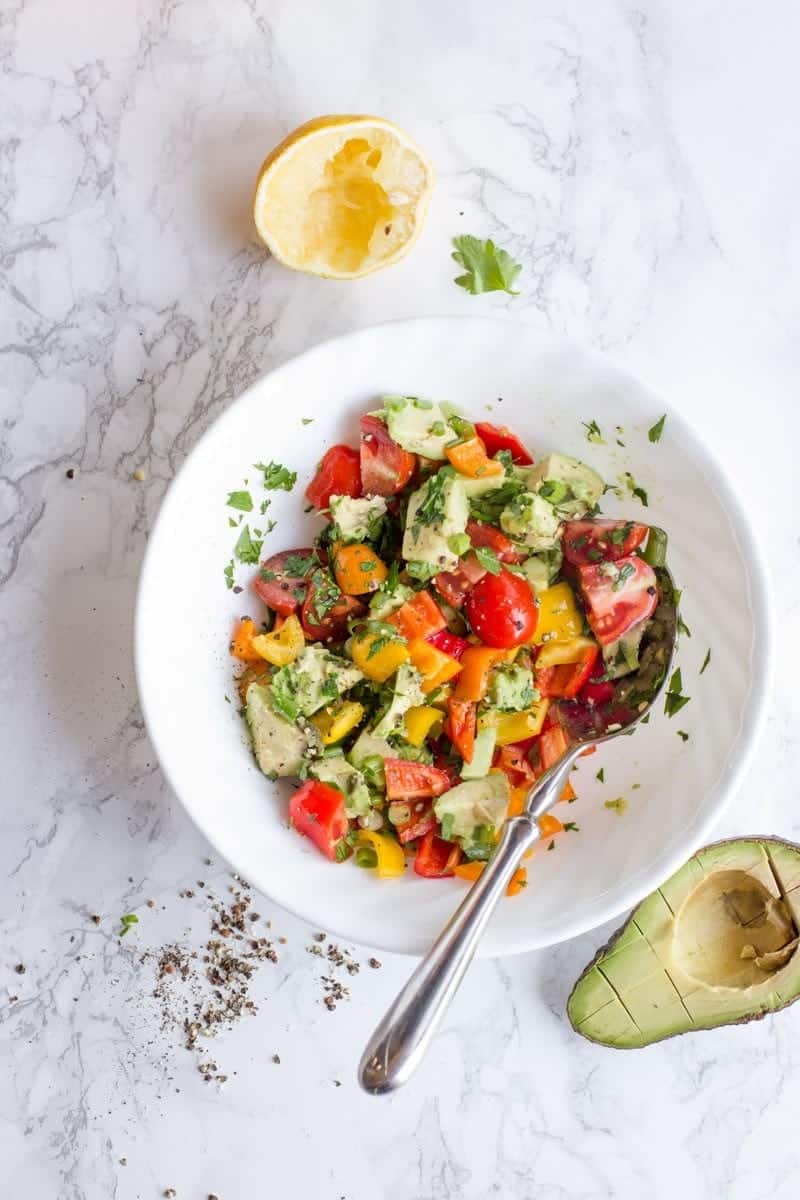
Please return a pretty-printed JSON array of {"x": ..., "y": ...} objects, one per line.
[{"x": 638, "y": 160}]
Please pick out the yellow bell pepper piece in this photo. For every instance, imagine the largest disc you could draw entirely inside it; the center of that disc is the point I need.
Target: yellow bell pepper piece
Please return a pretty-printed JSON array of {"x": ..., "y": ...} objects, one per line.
[
  {"x": 558, "y": 653},
  {"x": 384, "y": 662},
  {"x": 559, "y": 616},
  {"x": 433, "y": 664},
  {"x": 515, "y": 727},
  {"x": 420, "y": 720},
  {"x": 391, "y": 859},
  {"x": 337, "y": 720},
  {"x": 283, "y": 645}
]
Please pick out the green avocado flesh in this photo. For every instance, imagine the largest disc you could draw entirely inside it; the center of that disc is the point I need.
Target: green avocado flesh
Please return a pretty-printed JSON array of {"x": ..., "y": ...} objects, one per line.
[{"x": 716, "y": 944}]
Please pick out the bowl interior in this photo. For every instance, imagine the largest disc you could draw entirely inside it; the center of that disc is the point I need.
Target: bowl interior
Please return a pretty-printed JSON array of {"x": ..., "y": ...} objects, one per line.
[{"x": 545, "y": 389}]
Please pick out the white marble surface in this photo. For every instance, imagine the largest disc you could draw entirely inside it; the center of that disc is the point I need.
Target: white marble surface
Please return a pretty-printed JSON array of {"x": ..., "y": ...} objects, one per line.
[{"x": 641, "y": 161}]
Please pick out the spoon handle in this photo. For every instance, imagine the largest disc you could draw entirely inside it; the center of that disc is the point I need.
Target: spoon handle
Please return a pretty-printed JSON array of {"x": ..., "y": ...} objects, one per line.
[{"x": 398, "y": 1044}]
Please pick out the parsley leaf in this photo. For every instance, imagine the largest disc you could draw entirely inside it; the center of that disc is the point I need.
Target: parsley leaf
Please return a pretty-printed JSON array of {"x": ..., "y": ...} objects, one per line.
[
  {"x": 655, "y": 431},
  {"x": 487, "y": 267},
  {"x": 571, "y": 827},
  {"x": 241, "y": 500},
  {"x": 634, "y": 489},
  {"x": 228, "y": 573},
  {"x": 489, "y": 506},
  {"x": 594, "y": 433},
  {"x": 674, "y": 701},
  {"x": 247, "y": 548},
  {"x": 306, "y": 420},
  {"x": 127, "y": 921},
  {"x": 601, "y": 775},
  {"x": 488, "y": 560},
  {"x": 683, "y": 735},
  {"x": 277, "y": 477},
  {"x": 706, "y": 660}
]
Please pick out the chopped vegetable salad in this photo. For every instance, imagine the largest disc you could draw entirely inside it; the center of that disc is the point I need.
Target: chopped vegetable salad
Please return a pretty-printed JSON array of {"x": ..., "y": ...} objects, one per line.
[{"x": 412, "y": 662}]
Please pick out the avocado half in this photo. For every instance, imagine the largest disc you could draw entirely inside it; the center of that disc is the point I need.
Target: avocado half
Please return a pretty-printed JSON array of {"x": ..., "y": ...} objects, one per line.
[{"x": 714, "y": 945}]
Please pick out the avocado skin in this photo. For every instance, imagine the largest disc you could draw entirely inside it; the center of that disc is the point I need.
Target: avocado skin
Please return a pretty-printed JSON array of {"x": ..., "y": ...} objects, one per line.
[{"x": 615, "y": 939}]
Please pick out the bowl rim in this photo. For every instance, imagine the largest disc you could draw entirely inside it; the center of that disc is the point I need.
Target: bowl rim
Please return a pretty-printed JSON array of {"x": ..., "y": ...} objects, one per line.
[{"x": 761, "y": 603}]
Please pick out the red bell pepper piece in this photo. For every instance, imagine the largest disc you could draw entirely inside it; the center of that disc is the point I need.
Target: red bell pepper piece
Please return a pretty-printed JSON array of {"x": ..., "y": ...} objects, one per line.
[
  {"x": 566, "y": 679},
  {"x": 461, "y": 725},
  {"x": 413, "y": 780},
  {"x": 500, "y": 437},
  {"x": 317, "y": 810},
  {"x": 436, "y": 858},
  {"x": 448, "y": 643},
  {"x": 422, "y": 821}
]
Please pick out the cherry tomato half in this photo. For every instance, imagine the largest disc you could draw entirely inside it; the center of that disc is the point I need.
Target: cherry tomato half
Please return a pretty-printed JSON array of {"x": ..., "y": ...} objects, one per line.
[
  {"x": 338, "y": 474},
  {"x": 502, "y": 610}
]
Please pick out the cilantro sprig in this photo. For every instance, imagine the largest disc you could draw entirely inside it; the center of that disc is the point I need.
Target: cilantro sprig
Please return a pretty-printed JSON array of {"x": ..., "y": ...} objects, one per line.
[{"x": 487, "y": 268}]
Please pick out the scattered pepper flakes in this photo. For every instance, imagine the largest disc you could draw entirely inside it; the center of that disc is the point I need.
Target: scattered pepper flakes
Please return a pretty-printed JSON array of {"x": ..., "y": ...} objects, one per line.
[
  {"x": 96, "y": 918},
  {"x": 374, "y": 963},
  {"x": 276, "y": 1058},
  {"x": 20, "y": 968},
  {"x": 70, "y": 473}
]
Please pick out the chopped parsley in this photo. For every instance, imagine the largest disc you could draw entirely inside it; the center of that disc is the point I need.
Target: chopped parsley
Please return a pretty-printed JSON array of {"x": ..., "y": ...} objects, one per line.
[
  {"x": 228, "y": 573},
  {"x": 624, "y": 573},
  {"x": 487, "y": 268},
  {"x": 306, "y": 420},
  {"x": 655, "y": 431},
  {"x": 431, "y": 509},
  {"x": 325, "y": 594},
  {"x": 264, "y": 505},
  {"x": 683, "y": 627},
  {"x": 126, "y": 922},
  {"x": 706, "y": 660},
  {"x": 488, "y": 560},
  {"x": 594, "y": 433},
  {"x": 233, "y": 522},
  {"x": 571, "y": 827},
  {"x": 634, "y": 489},
  {"x": 421, "y": 570},
  {"x": 674, "y": 701},
  {"x": 489, "y": 506},
  {"x": 618, "y": 806},
  {"x": 298, "y": 565},
  {"x": 247, "y": 548},
  {"x": 619, "y": 536},
  {"x": 601, "y": 775},
  {"x": 683, "y": 735},
  {"x": 241, "y": 500},
  {"x": 552, "y": 846},
  {"x": 277, "y": 477}
]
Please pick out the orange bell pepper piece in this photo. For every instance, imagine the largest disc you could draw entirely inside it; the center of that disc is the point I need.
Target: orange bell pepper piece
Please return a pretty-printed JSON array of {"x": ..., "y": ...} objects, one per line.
[
  {"x": 358, "y": 569},
  {"x": 434, "y": 666},
  {"x": 518, "y": 881},
  {"x": 568, "y": 793},
  {"x": 473, "y": 870},
  {"x": 242, "y": 643},
  {"x": 419, "y": 617},
  {"x": 470, "y": 458},
  {"x": 477, "y": 662},
  {"x": 516, "y": 805},
  {"x": 553, "y": 745},
  {"x": 549, "y": 826}
]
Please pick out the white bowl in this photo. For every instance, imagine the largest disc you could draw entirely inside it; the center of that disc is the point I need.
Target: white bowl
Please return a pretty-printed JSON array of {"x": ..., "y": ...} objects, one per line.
[{"x": 544, "y": 388}]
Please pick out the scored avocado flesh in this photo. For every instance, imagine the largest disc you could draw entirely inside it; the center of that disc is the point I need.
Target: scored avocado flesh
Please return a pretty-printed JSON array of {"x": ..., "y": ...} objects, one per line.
[{"x": 716, "y": 944}]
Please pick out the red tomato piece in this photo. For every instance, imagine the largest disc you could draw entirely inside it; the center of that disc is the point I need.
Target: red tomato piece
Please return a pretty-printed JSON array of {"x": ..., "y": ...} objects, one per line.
[
  {"x": 436, "y": 858},
  {"x": 594, "y": 692},
  {"x": 502, "y": 610},
  {"x": 385, "y": 467},
  {"x": 419, "y": 617},
  {"x": 423, "y": 821},
  {"x": 317, "y": 810},
  {"x": 481, "y": 534},
  {"x": 448, "y": 643},
  {"x": 413, "y": 780},
  {"x": 500, "y": 437},
  {"x": 461, "y": 725},
  {"x": 601, "y": 541},
  {"x": 282, "y": 581},
  {"x": 338, "y": 474},
  {"x": 617, "y": 596},
  {"x": 455, "y": 586},
  {"x": 330, "y": 625}
]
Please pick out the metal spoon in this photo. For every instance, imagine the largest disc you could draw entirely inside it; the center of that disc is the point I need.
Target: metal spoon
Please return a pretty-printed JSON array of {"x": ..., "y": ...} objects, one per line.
[{"x": 400, "y": 1040}]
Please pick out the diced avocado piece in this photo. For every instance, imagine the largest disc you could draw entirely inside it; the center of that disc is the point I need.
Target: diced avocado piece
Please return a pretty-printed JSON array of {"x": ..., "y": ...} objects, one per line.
[
  {"x": 472, "y": 806},
  {"x": 338, "y": 771},
  {"x": 482, "y": 485},
  {"x": 280, "y": 746},
  {"x": 407, "y": 693},
  {"x": 357, "y": 520},
  {"x": 511, "y": 688},
  {"x": 541, "y": 570},
  {"x": 716, "y": 944},
  {"x": 531, "y": 521},
  {"x": 367, "y": 753},
  {"x": 314, "y": 679},
  {"x": 420, "y": 426},
  {"x": 482, "y": 755},
  {"x": 582, "y": 489},
  {"x": 622, "y": 657},
  {"x": 382, "y": 603},
  {"x": 436, "y": 511}
]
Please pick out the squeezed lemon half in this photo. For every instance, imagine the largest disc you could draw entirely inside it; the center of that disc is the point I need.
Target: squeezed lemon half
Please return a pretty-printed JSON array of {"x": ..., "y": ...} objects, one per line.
[{"x": 343, "y": 196}]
